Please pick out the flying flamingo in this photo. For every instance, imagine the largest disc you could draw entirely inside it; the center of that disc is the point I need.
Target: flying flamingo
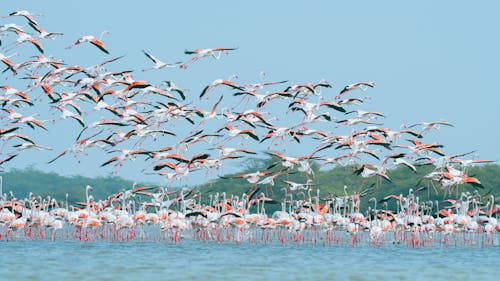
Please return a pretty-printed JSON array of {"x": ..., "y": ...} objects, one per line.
[
  {"x": 200, "y": 53},
  {"x": 171, "y": 86},
  {"x": 363, "y": 113},
  {"x": 91, "y": 39},
  {"x": 126, "y": 154},
  {"x": 7, "y": 159},
  {"x": 23, "y": 13},
  {"x": 30, "y": 145},
  {"x": 280, "y": 133},
  {"x": 250, "y": 177},
  {"x": 427, "y": 126},
  {"x": 9, "y": 136},
  {"x": 307, "y": 106},
  {"x": 158, "y": 63},
  {"x": 287, "y": 161},
  {"x": 82, "y": 145},
  {"x": 10, "y": 27},
  {"x": 262, "y": 99},
  {"x": 219, "y": 82},
  {"x": 195, "y": 137},
  {"x": 307, "y": 89},
  {"x": 25, "y": 37},
  {"x": 208, "y": 115},
  {"x": 9, "y": 91},
  {"x": 292, "y": 186},
  {"x": 355, "y": 121},
  {"x": 398, "y": 159},
  {"x": 233, "y": 132},
  {"x": 29, "y": 120},
  {"x": 392, "y": 135},
  {"x": 360, "y": 85},
  {"x": 230, "y": 151},
  {"x": 43, "y": 34},
  {"x": 251, "y": 117},
  {"x": 66, "y": 113},
  {"x": 367, "y": 170},
  {"x": 10, "y": 65},
  {"x": 260, "y": 86}
]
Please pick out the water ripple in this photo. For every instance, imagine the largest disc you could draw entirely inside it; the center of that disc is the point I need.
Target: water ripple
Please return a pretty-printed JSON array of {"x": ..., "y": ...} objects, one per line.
[{"x": 191, "y": 260}]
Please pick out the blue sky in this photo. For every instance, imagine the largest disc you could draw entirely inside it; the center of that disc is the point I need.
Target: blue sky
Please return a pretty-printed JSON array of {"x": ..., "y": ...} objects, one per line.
[{"x": 430, "y": 60}]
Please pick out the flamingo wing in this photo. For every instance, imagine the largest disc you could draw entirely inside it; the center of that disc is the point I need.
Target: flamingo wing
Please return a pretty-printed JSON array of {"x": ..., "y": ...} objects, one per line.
[{"x": 100, "y": 45}]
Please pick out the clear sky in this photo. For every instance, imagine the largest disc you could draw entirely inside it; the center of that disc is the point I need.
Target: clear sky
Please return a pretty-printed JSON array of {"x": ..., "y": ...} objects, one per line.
[{"x": 430, "y": 60}]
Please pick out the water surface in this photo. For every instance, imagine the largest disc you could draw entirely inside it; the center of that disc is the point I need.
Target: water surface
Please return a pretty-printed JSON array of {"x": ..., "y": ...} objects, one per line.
[{"x": 195, "y": 260}]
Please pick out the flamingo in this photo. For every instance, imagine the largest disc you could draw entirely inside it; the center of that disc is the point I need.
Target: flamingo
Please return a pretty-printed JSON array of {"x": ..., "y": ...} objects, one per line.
[
  {"x": 25, "y": 14},
  {"x": 66, "y": 113},
  {"x": 392, "y": 135},
  {"x": 252, "y": 117},
  {"x": 233, "y": 132},
  {"x": 171, "y": 86},
  {"x": 10, "y": 65},
  {"x": 230, "y": 151},
  {"x": 83, "y": 144},
  {"x": 404, "y": 162},
  {"x": 10, "y": 27},
  {"x": 310, "y": 117},
  {"x": 363, "y": 113},
  {"x": 158, "y": 64},
  {"x": 181, "y": 170},
  {"x": 427, "y": 126},
  {"x": 25, "y": 37},
  {"x": 195, "y": 137},
  {"x": 195, "y": 158},
  {"x": 209, "y": 115},
  {"x": 43, "y": 34},
  {"x": 39, "y": 62},
  {"x": 287, "y": 161},
  {"x": 469, "y": 162},
  {"x": 363, "y": 86},
  {"x": 280, "y": 133},
  {"x": 307, "y": 89},
  {"x": 144, "y": 131},
  {"x": 293, "y": 186},
  {"x": 368, "y": 170},
  {"x": 219, "y": 82},
  {"x": 8, "y": 158},
  {"x": 307, "y": 106},
  {"x": 304, "y": 131},
  {"x": 92, "y": 40},
  {"x": 420, "y": 147},
  {"x": 262, "y": 100},
  {"x": 260, "y": 86},
  {"x": 29, "y": 120},
  {"x": 250, "y": 177},
  {"x": 355, "y": 121},
  {"x": 9, "y": 136},
  {"x": 351, "y": 101},
  {"x": 200, "y": 53},
  {"x": 126, "y": 154},
  {"x": 29, "y": 145},
  {"x": 17, "y": 102}
]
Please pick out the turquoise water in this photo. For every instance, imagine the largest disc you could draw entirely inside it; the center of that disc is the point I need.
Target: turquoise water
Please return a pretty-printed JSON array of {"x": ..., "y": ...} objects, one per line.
[{"x": 195, "y": 260}]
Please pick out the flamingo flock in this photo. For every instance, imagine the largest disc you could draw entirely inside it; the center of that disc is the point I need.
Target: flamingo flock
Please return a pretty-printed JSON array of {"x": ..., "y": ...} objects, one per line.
[
  {"x": 165, "y": 130},
  {"x": 156, "y": 214}
]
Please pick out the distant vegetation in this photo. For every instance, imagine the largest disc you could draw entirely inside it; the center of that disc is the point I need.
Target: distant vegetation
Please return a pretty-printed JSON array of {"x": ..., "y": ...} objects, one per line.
[
  {"x": 23, "y": 181},
  {"x": 329, "y": 182}
]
